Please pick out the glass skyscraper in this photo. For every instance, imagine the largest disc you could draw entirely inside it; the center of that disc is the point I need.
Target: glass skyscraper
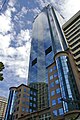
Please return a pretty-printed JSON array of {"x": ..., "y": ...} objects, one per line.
[{"x": 47, "y": 42}]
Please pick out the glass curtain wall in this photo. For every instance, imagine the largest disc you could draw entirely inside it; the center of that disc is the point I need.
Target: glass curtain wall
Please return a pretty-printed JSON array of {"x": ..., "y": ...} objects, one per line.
[{"x": 68, "y": 85}]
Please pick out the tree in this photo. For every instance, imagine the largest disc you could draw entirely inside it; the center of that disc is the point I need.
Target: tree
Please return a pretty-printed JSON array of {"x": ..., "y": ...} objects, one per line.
[{"x": 1, "y": 69}]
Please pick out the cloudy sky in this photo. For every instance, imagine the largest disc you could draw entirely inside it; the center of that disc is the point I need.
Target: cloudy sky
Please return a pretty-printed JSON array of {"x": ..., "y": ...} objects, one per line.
[{"x": 16, "y": 18}]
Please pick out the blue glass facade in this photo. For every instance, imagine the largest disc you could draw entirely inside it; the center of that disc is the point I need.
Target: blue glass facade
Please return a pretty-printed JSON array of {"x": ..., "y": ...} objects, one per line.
[
  {"x": 47, "y": 39},
  {"x": 67, "y": 82},
  {"x": 9, "y": 110}
]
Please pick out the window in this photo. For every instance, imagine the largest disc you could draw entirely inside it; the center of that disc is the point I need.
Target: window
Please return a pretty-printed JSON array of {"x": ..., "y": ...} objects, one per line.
[
  {"x": 24, "y": 95},
  {"x": 34, "y": 61},
  {"x": 61, "y": 111},
  {"x": 27, "y": 103},
  {"x": 23, "y": 109},
  {"x": 52, "y": 84},
  {"x": 52, "y": 93},
  {"x": 51, "y": 77},
  {"x": 58, "y": 90},
  {"x": 16, "y": 115},
  {"x": 34, "y": 99},
  {"x": 24, "y": 89},
  {"x": 30, "y": 98},
  {"x": 53, "y": 102},
  {"x": 51, "y": 70},
  {"x": 30, "y": 110},
  {"x": 47, "y": 51},
  {"x": 26, "y": 109},
  {"x": 35, "y": 93},
  {"x": 55, "y": 112},
  {"x": 30, "y": 104},
  {"x": 59, "y": 100},
  {"x": 31, "y": 92},
  {"x": 54, "y": 68},
  {"x": 56, "y": 81},
  {"x": 34, "y": 105},
  {"x": 55, "y": 74}
]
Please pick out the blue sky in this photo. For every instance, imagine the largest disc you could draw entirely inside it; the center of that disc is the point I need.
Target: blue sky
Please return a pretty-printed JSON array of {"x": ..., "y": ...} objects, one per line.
[{"x": 16, "y": 19}]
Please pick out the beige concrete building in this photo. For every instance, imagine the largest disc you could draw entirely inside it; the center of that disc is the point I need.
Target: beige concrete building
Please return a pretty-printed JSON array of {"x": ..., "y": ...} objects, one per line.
[
  {"x": 72, "y": 33},
  {"x": 3, "y": 105}
]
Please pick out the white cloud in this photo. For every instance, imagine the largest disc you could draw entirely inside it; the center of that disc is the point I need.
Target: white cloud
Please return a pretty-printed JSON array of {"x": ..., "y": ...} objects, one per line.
[
  {"x": 12, "y": 2},
  {"x": 71, "y": 7},
  {"x": 5, "y": 23},
  {"x": 23, "y": 36},
  {"x": 4, "y": 41}
]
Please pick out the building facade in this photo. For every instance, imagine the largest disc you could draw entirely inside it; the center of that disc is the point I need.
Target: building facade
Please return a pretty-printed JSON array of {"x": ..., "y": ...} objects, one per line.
[
  {"x": 47, "y": 40},
  {"x": 3, "y": 105},
  {"x": 44, "y": 114},
  {"x": 63, "y": 88},
  {"x": 72, "y": 33},
  {"x": 56, "y": 105},
  {"x": 22, "y": 100}
]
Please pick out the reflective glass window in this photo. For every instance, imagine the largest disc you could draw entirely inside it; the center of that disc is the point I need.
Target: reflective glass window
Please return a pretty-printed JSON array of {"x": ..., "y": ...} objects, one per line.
[
  {"x": 55, "y": 74},
  {"x": 52, "y": 84},
  {"x": 53, "y": 102},
  {"x": 25, "y": 90},
  {"x": 50, "y": 70},
  {"x": 53, "y": 93},
  {"x": 34, "y": 61},
  {"x": 47, "y": 51},
  {"x": 61, "y": 111},
  {"x": 56, "y": 81},
  {"x": 58, "y": 90},
  {"x": 54, "y": 68},
  {"x": 30, "y": 110},
  {"x": 30, "y": 104},
  {"x": 31, "y": 92},
  {"x": 55, "y": 113},
  {"x": 26, "y": 109},
  {"x": 35, "y": 93},
  {"x": 34, "y": 99},
  {"x": 34, "y": 105},
  {"x": 59, "y": 100},
  {"x": 51, "y": 77},
  {"x": 30, "y": 98}
]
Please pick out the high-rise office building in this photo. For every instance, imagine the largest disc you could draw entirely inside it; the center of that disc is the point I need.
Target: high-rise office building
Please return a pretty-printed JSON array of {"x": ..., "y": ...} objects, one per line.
[
  {"x": 48, "y": 46},
  {"x": 47, "y": 40},
  {"x": 3, "y": 105}
]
